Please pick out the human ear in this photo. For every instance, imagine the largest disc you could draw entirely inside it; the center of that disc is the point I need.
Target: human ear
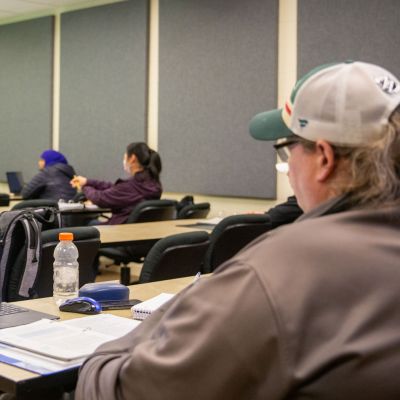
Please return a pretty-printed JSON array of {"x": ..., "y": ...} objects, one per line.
[
  {"x": 326, "y": 162},
  {"x": 131, "y": 159}
]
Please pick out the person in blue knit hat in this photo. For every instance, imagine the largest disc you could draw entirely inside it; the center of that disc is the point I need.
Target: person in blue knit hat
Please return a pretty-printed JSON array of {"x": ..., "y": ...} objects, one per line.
[{"x": 52, "y": 182}]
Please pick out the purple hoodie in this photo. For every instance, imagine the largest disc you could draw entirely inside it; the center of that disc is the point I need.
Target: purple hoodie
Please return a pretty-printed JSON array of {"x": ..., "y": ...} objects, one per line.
[{"x": 123, "y": 195}]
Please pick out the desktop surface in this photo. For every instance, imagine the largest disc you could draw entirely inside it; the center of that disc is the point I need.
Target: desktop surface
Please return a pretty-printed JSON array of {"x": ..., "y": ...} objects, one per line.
[
  {"x": 28, "y": 385},
  {"x": 125, "y": 234}
]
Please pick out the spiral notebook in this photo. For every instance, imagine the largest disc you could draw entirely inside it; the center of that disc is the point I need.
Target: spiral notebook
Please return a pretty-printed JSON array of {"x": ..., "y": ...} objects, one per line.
[{"x": 144, "y": 309}]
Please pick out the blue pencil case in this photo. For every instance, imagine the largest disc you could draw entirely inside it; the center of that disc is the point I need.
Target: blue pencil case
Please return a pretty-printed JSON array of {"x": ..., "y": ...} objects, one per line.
[{"x": 104, "y": 291}]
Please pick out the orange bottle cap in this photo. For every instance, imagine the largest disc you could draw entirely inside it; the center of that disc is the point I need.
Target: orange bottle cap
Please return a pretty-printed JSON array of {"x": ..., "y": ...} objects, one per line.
[{"x": 65, "y": 236}]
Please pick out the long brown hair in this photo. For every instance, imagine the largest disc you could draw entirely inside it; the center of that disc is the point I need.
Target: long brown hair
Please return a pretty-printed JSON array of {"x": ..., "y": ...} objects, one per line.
[{"x": 374, "y": 168}]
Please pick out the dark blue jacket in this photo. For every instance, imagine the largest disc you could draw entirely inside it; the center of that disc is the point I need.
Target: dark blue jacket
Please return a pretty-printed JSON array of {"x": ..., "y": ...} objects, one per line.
[
  {"x": 284, "y": 213},
  {"x": 51, "y": 183}
]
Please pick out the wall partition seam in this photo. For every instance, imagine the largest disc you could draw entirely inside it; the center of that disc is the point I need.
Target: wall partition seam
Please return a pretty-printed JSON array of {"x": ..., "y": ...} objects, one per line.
[
  {"x": 287, "y": 70},
  {"x": 55, "y": 140},
  {"x": 153, "y": 77}
]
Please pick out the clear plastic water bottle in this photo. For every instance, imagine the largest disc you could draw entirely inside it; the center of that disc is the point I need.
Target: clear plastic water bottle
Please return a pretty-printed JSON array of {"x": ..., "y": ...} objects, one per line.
[{"x": 66, "y": 269}]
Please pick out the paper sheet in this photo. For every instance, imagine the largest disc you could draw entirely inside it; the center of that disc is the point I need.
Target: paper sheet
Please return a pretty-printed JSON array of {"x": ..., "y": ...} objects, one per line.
[{"x": 67, "y": 340}]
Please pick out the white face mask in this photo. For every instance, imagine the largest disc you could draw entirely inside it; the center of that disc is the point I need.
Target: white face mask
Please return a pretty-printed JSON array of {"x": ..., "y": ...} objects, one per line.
[
  {"x": 127, "y": 167},
  {"x": 282, "y": 167}
]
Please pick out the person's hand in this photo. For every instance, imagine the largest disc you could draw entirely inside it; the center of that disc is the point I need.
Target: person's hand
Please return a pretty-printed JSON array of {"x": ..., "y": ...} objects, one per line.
[{"x": 78, "y": 182}]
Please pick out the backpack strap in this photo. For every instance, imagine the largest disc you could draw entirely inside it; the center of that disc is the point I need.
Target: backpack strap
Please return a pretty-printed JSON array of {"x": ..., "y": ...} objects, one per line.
[
  {"x": 48, "y": 216},
  {"x": 8, "y": 220},
  {"x": 33, "y": 245}
]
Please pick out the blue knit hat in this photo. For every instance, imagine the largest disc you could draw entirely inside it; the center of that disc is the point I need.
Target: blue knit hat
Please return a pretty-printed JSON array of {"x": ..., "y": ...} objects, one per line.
[{"x": 52, "y": 157}]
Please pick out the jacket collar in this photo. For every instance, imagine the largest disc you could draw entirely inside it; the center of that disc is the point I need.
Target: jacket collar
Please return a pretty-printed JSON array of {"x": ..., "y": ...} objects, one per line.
[{"x": 332, "y": 206}]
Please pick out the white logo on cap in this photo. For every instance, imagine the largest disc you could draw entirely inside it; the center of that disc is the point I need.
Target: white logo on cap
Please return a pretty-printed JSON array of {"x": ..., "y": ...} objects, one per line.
[{"x": 387, "y": 84}]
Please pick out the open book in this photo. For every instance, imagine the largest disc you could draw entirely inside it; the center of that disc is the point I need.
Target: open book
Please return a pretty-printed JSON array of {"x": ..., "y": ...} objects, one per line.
[{"x": 65, "y": 343}]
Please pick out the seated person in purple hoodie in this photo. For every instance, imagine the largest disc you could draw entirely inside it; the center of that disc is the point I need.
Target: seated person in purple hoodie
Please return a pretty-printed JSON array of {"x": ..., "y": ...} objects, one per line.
[
  {"x": 144, "y": 166},
  {"x": 52, "y": 182}
]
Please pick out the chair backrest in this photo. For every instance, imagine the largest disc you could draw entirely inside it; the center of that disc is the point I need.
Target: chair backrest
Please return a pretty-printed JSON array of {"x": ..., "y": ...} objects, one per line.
[
  {"x": 184, "y": 201},
  {"x": 231, "y": 235},
  {"x": 35, "y": 203},
  {"x": 175, "y": 256},
  {"x": 153, "y": 210},
  {"x": 199, "y": 210},
  {"x": 86, "y": 239},
  {"x": 4, "y": 199}
]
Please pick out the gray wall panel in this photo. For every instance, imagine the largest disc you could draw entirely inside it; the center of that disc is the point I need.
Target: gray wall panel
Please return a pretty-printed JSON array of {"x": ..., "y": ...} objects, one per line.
[
  {"x": 365, "y": 30},
  {"x": 103, "y": 85},
  {"x": 218, "y": 67},
  {"x": 25, "y": 94}
]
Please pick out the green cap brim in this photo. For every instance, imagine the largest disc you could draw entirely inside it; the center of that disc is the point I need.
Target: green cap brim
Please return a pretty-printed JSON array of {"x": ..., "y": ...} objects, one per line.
[{"x": 269, "y": 125}]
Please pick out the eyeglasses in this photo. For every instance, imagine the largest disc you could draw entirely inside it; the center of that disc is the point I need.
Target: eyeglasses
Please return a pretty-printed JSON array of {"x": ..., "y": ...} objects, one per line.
[{"x": 282, "y": 149}]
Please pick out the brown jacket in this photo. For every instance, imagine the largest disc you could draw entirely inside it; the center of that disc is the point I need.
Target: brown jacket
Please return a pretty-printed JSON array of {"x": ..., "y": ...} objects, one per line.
[{"x": 308, "y": 311}]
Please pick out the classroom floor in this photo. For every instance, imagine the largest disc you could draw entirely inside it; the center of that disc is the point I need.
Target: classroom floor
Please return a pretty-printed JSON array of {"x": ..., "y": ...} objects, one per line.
[{"x": 110, "y": 272}]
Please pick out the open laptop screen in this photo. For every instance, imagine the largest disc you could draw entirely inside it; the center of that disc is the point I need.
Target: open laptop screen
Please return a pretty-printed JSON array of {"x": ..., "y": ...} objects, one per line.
[{"x": 15, "y": 182}]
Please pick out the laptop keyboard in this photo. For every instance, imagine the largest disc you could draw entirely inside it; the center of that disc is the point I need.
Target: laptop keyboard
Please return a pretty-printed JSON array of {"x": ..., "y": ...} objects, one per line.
[{"x": 7, "y": 309}]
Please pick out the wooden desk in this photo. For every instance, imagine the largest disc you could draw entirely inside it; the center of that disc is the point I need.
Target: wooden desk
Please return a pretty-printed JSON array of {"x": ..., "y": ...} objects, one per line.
[
  {"x": 85, "y": 210},
  {"x": 81, "y": 216},
  {"x": 15, "y": 197},
  {"x": 27, "y": 385},
  {"x": 125, "y": 234}
]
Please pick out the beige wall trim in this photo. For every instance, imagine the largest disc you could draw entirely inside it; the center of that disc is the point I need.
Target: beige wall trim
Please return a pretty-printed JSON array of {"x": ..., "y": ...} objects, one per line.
[
  {"x": 153, "y": 79},
  {"x": 287, "y": 70},
  {"x": 56, "y": 83}
]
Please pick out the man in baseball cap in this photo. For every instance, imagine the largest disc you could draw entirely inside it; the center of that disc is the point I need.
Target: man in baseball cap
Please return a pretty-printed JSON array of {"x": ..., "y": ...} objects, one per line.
[
  {"x": 337, "y": 111},
  {"x": 309, "y": 310}
]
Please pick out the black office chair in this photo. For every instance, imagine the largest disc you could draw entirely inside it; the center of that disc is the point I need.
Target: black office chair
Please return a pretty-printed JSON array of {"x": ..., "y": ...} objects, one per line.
[
  {"x": 35, "y": 203},
  {"x": 231, "y": 235},
  {"x": 199, "y": 210},
  {"x": 153, "y": 210},
  {"x": 146, "y": 211},
  {"x": 4, "y": 199},
  {"x": 175, "y": 256}
]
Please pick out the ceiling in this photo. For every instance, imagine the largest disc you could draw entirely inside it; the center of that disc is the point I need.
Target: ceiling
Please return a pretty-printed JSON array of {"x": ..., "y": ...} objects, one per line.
[{"x": 23, "y": 9}]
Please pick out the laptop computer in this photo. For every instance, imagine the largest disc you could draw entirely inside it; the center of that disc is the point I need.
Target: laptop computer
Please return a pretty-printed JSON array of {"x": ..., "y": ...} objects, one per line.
[
  {"x": 15, "y": 181},
  {"x": 13, "y": 315}
]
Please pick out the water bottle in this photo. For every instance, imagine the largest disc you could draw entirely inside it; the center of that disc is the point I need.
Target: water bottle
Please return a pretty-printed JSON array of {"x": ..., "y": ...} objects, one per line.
[{"x": 66, "y": 269}]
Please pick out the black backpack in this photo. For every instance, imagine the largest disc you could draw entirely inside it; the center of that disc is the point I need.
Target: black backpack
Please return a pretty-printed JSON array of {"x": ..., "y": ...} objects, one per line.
[{"x": 20, "y": 247}]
